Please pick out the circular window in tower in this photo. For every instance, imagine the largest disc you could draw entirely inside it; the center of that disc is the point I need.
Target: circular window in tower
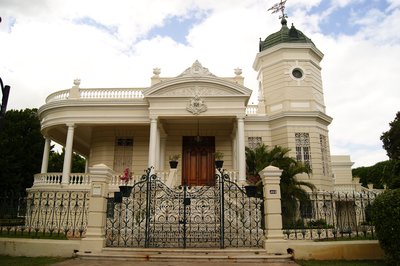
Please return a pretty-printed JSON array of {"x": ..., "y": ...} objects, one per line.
[{"x": 297, "y": 73}]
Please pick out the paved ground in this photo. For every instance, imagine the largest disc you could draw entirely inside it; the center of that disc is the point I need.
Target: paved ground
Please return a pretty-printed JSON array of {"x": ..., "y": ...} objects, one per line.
[{"x": 103, "y": 262}]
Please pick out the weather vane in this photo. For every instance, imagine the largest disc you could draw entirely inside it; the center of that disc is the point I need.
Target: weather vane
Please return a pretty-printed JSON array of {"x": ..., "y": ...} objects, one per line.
[{"x": 279, "y": 7}]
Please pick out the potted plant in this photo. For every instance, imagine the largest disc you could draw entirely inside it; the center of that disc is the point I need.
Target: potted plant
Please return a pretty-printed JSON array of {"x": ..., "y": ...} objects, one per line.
[
  {"x": 173, "y": 161},
  {"x": 125, "y": 177},
  {"x": 218, "y": 159}
]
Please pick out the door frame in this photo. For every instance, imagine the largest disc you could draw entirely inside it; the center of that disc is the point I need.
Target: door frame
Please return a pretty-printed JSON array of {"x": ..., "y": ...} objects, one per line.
[{"x": 198, "y": 160}]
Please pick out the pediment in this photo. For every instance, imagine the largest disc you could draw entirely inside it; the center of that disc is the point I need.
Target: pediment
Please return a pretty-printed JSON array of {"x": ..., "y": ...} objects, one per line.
[{"x": 196, "y": 80}]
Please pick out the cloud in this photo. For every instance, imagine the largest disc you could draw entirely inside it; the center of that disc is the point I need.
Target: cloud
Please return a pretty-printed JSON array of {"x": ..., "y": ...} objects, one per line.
[{"x": 45, "y": 44}]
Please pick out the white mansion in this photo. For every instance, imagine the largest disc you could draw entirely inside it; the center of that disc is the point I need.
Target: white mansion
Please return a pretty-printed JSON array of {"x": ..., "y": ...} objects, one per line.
[{"x": 195, "y": 114}]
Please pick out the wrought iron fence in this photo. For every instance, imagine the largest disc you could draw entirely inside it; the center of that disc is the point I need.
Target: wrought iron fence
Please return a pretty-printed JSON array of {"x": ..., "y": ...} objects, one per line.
[
  {"x": 45, "y": 213},
  {"x": 12, "y": 208},
  {"x": 154, "y": 215},
  {"x": 329, "y": 215}
]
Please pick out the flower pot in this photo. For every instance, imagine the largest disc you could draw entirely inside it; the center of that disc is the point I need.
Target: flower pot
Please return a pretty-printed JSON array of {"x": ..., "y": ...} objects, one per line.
[
  {"x": 125, "y": 190},
  {"x": 219, "y": 163},
  {"x": 117, "y": 197},
  {"x": 251, "y": 191},
  {"x": 173, "y": 164}
]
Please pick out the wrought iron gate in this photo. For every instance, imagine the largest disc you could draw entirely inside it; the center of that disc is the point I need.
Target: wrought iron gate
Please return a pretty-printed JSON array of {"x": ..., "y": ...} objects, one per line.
[{"x": 155, "y": 215}]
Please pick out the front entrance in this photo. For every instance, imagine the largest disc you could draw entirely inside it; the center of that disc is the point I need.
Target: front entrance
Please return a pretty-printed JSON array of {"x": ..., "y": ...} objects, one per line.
[
  {"x": 157, "y": 216},
  {"x": 198, "y": 160}
]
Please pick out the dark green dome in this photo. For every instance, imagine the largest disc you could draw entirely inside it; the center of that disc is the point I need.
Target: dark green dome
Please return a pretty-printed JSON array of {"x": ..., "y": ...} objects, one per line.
[{"x": 285, "y": 35}]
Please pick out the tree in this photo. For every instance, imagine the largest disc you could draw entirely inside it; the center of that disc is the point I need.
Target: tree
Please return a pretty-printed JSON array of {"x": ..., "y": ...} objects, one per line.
[
  {"x": 391, "y": 139},
  {"x": 292, "y": 190},
  {"x": 56, "y": 161},
  {"x": 21, "y": 146},
  {"x": 391, "y": 143},
  {"x": 386, "y": 218},
  {"x": 386, "y": 172}
]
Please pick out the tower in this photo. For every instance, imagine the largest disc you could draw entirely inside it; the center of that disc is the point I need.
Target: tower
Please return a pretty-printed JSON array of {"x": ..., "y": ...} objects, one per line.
[{"x": 291, "y": 96}]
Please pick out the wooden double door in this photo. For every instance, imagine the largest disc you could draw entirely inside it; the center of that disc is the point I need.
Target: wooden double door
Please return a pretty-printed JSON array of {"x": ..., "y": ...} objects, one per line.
[{"x": 198, "y": 161}]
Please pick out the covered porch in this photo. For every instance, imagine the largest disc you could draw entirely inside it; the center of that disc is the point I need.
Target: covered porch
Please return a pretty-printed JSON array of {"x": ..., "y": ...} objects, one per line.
[{"x": 138, "y": 146}]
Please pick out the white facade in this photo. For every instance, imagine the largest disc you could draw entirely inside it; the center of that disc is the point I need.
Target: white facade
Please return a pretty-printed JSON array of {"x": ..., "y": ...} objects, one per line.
[{"x": 140, "y": 127}]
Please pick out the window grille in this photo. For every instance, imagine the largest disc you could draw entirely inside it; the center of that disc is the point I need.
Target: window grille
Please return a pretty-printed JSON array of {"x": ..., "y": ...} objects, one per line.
[
  {"x": 303, "y": 151},
  {"x": 123, "y": 152},
  {"x": 254, "y": 142},
  {"x": 324, "y": 154}
]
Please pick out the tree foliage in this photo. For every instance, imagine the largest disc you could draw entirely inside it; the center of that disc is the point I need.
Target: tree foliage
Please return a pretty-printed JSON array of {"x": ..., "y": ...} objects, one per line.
[
  {"x": 21, "y": 146},
  {"x": 56, "y": 161},
  {"x": 386, "y": 218},
  {"x": 292, "y": 190},
  {"x": 386, "y": 172},
  {"x": 391, "y": 139}
]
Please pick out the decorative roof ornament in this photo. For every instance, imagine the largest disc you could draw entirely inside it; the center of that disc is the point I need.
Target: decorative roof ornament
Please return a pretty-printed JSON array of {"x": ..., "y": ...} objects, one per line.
[
  {"x": 284, "y": 35},
  {"x": 280, "y": 7},
  {"x": 196, "y": 70}
]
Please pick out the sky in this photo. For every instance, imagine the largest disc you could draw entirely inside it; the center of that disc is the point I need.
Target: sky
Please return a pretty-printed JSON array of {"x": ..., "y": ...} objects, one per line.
[{"x": 46, "y": 44}]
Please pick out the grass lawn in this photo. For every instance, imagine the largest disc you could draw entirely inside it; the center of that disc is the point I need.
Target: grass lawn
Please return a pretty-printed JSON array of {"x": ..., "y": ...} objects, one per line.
[
  {"x": 340, "y": 262},
  {"x": 27, "y": 261}
]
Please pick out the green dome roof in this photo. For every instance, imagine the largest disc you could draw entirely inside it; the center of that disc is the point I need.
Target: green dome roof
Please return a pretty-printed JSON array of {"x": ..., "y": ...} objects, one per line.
[{"x": 285, "y": 35}]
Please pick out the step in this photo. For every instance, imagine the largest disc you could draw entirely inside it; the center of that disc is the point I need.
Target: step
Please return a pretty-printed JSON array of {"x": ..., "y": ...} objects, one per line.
[{"x": 181, "y": 255}]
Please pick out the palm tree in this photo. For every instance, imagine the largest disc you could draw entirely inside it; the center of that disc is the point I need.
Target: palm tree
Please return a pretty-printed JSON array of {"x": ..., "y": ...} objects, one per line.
[{"x": 292, "y": 190}]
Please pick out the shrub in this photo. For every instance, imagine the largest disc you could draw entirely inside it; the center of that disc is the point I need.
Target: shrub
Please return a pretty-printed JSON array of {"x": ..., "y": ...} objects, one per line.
[{"x": 386, "y": 218}]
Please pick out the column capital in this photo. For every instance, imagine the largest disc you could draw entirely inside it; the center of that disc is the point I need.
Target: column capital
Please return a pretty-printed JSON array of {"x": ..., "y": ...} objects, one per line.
[
  {"x": 240, "y": 117},
  {"x": 70, "y": 125},
  {"x": 153, "y": 118}
]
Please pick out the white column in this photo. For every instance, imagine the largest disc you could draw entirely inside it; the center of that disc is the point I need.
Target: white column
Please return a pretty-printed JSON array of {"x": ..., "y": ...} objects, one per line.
[
  {"x": 45, "y": 159},
  {"x": 68, "y": 154},
  {"x": 153, "y": 141},
  {"x": 158, "y": 149},
  {"x": 241, "y": 149},
  {"x": 163, "y": 142},
  {"x": 234, "y": 148},
  {"x": 86, "y": 165}
]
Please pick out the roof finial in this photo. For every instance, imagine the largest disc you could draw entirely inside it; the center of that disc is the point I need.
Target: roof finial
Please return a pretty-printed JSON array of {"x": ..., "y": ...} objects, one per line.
[{"x": 280, "y": 7}]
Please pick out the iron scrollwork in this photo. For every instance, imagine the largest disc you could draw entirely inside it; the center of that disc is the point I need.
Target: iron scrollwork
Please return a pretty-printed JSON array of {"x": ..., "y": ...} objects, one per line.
[{"x": 155, "y": 215}]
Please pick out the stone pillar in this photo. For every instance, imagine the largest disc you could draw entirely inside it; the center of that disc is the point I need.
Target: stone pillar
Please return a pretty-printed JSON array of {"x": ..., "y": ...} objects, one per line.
[
  {"x": 274, "y": 238},
  {"x": 152, "y": 142},
  {"x": 45, "y": 159},
  {"x": 68, "y": 154},
  {"x": 94, "y": 241},
  {"x": 241, "y": 150}
]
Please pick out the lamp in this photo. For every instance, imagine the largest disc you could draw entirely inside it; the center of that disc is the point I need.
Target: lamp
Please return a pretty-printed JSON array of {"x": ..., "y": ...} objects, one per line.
[{"x": 198, "y": 138}]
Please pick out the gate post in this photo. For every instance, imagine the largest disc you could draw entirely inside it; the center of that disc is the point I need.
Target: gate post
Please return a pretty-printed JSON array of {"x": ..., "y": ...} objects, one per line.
[
  {"x": 274, "y": 238},
  {"x": 94, "y": 241}
]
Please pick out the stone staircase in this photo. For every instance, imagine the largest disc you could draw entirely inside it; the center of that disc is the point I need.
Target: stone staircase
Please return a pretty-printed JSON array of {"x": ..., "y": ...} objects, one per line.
[{"x": 190, "y": 255}]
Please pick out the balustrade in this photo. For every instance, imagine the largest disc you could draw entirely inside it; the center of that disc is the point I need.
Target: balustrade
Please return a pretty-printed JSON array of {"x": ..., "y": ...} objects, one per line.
[
  {"x": 130, "y": 93},
  {"x": 251, "y": 109}
]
